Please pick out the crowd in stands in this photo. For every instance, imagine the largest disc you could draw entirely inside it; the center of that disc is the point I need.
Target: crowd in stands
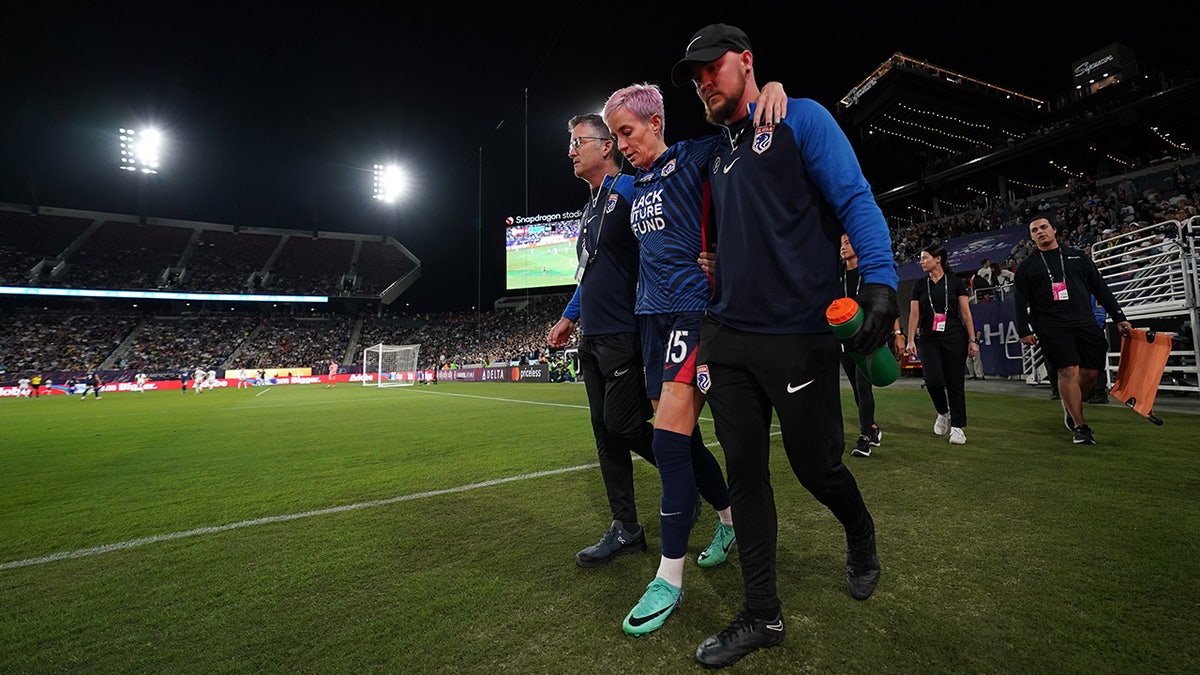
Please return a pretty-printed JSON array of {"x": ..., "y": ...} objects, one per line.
[
  {"x": 1085, "y": 212},
  {"x": 163, "y": 345},
  {"x": 505, "y": 336},
  {"x": 1090, "y": 213},
  {"x": 166, "y": 344},
  {"x": 538, "y": 234},
  {"x": 65, "y": 252},
  {"x": 296, "y": 343},
  {"x": 61, "y": 341}
]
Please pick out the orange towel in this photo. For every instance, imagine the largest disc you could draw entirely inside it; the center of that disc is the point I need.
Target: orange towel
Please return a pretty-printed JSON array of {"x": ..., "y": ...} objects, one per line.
[{"x": 1143, "y": 359}]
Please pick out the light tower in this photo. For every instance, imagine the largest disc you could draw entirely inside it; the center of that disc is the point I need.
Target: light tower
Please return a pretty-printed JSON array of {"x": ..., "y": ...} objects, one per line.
[
  {"x": 391, "y": 183},
  {"x": 140, "y": 153},
  {"x": 140, "y": 150}
]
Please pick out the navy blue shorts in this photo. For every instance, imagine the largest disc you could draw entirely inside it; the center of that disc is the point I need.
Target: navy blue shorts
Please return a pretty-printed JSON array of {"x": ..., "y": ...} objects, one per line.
[{"x": 669, "y": 348}]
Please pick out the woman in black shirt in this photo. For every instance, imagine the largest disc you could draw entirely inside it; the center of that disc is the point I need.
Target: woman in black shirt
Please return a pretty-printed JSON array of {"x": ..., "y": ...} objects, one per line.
[{"x": 939, "y": 322}]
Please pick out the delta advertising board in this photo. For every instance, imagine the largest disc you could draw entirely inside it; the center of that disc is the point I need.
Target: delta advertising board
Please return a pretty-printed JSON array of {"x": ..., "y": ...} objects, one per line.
[{"x": 534, "y": 372}]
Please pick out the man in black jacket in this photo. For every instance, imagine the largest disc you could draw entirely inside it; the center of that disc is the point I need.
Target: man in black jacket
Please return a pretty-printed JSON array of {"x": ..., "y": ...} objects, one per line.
[{"x": 1054, "y": 289}]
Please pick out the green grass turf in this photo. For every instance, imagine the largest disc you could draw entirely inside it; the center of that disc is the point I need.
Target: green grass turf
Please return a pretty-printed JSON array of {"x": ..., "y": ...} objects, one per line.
[
  {"x": 433, "y": 529},
  {"x": 538, "y": 266}
]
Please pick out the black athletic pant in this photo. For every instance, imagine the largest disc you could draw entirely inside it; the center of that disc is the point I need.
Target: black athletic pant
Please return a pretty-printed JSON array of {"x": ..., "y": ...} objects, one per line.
[
  {"x": 620, "y": 413},
  {"x": 943, "y": 366},
  {"x": 751, "y": 376},
  {"x": 864, "y": 395}
]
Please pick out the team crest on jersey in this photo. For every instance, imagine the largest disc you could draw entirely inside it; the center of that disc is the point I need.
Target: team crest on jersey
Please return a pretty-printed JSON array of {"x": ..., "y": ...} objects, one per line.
[
  {"x": 762, "y": 138},
  {"x": 668, "y": 169},
  {"x": 703, "y": 381},
  {"x": 716, "y": 165},
  {"x": 612, "y": 203}
]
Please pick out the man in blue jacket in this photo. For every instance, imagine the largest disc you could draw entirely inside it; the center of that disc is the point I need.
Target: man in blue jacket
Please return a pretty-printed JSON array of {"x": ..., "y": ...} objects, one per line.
[{"x": 783, "y": 193}]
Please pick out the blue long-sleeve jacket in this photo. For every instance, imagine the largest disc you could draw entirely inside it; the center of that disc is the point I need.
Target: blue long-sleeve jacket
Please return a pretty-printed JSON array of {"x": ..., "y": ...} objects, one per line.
[{"x": 782, "y": 197}]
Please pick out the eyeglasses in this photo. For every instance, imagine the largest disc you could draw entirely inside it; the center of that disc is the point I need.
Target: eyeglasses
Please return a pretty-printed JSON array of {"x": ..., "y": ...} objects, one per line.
[{"x": 578, "y": 141}]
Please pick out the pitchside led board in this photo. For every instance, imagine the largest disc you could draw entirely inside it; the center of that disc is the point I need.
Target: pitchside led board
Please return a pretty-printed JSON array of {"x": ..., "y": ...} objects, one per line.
[{"x": 539, "y": 251}]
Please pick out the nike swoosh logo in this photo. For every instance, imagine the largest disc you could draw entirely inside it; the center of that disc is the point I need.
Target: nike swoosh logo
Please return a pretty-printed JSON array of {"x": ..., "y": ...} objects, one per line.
[
  {"x": 729, "y": 165},
  {"x": 618, "y": 373},
  {"x": 792, "y": 390},
  {"x": 639, "y": 620},
  {"x": 669, "y": 514},
  {"x": 775, "y": 626},
  {"x": 698, "y": 37}
]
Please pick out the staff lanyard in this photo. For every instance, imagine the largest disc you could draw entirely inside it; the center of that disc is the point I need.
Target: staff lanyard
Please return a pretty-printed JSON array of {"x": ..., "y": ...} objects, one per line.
[
  {"x": 857, "y": 285},
  {"x": 588, "y": 214},
  {"x": 1062, "y": 262},
  {"x": 929, "y": 294}
]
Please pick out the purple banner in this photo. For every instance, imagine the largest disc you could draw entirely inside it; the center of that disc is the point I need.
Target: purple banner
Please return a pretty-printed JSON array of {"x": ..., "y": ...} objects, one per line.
[
  {"x": 995, "y": 326},
  {"x": 965, "y": 253}
]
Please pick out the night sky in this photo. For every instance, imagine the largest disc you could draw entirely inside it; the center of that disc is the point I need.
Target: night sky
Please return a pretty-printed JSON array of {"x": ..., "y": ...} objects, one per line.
[{"x": 274, "y": 118}]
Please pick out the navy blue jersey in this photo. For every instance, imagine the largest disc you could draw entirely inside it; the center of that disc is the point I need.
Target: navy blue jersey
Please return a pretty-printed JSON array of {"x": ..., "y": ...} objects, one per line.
[
  {"x": 668, "y": 200},
  {"x": 782, "y": 197},
  {"x": 605, "y": 296}
]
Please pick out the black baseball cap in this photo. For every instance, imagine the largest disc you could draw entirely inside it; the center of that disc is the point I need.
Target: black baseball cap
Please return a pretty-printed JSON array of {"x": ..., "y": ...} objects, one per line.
[{"x": 708, "y": 44}]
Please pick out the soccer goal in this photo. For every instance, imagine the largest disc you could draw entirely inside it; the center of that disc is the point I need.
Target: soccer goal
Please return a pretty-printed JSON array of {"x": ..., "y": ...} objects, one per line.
[{"x": 390, "y": 365}]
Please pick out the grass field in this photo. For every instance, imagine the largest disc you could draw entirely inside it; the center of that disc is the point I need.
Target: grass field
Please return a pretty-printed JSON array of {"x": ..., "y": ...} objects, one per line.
[
  {"x": 539, "y": 266},
  {"x": 433, "y": 529}
]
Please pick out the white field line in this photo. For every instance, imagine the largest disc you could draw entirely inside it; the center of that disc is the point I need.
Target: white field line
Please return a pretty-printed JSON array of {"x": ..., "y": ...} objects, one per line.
[{"x": 134, "y": 543}]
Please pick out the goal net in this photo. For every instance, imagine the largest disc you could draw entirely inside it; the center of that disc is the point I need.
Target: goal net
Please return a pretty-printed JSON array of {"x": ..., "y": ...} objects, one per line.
[{"x": 390, "y": 365}]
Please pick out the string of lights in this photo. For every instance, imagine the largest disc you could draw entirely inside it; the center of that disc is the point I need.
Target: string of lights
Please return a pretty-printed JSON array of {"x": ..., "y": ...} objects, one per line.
[
  {"x": 1166, "y": 137},
  {"x": 934, "y": 130},
  {"x": 914, "y": 139}
]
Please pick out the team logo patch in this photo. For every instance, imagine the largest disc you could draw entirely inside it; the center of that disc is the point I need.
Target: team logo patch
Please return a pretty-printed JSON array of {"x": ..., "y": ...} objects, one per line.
[
  {"x": 716, "y": 165},
  {"x": 612, "y": 203},
  {"x": 703, "y": 380},
  {"x": 668, "y": 169},
  {"x": 762, "y": 138}
]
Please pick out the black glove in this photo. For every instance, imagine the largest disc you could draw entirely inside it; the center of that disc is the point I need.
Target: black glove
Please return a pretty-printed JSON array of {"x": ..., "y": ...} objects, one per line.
[{"x": 878, "y": 303}]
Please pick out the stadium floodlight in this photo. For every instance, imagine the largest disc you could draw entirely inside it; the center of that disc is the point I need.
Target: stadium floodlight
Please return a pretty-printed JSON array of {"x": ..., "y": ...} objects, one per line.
[
  {"x": 140, "y": 150},
  {"x": 391, "y": 183}
]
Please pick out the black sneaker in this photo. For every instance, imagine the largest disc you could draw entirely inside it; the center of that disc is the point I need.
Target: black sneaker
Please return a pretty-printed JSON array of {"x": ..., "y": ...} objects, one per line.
[
  {"x": 616, "y": 542},
  {"x": 1068, "y": 421},
  {"x": 1098, "y": 399},
  {"x": 875, "y": 437},
  {"x": 740, "y": 638},
  {"x": 862, "y": 448},
  {"x": 862, "y": 566},
  {"x": 1083, "y": 435}
]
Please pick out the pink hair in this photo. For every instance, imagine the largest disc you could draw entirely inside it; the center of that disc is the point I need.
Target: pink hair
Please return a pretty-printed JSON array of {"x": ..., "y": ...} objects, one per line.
[{"x": 643, "y": 100}]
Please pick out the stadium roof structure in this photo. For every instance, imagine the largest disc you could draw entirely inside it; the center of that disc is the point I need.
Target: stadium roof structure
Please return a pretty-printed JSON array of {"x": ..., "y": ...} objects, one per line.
[{"x": 932, "y": 141}]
